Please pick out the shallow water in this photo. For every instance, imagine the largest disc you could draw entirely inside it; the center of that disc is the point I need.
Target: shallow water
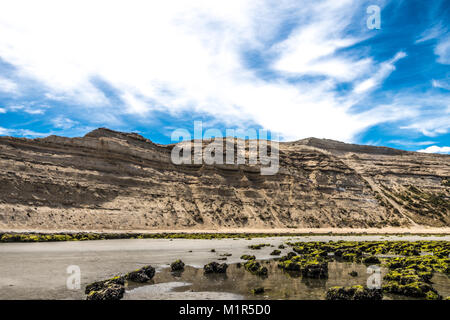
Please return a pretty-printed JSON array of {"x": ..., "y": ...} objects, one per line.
[
  {"x": 279, "y": 284},
  {"x": 39, "y": 270}
]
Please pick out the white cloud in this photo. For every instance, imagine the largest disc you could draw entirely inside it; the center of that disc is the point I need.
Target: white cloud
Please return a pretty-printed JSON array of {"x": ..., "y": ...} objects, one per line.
[
  {"x": 436, "y": 149},
  {"x": 383, "y": 72},
  {"x": 7, "y": 85},
  {"x": 22, "y": 133},
  {"x": 311, "y": 48},
  {"x": 411, "y": 143},
  {"x": 63, "y": 122},
  {"x": 440, "y": 84},
  {"x": 442, "y": 50},
  {"x": 2, "y": 110},
  {"x": 432, "y": 112},
  {"x": 442, "y": 37},
  {"x": 178, "y": 56},
  {"x": 431, "y": 127},
  {"x": 27, "y": 109},
  {"x": 431, "y": 33}
]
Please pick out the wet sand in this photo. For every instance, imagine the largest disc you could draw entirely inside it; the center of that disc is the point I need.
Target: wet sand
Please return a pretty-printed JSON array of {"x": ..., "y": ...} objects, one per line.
[{"x": 38, "y": 270}]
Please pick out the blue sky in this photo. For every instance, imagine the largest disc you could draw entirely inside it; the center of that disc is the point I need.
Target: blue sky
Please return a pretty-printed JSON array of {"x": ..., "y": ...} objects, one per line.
[{"x": 296, "y": 68}]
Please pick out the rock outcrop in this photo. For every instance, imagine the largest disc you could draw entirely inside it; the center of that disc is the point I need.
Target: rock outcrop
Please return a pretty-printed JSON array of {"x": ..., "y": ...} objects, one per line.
[{"x": 110, "y": 180}]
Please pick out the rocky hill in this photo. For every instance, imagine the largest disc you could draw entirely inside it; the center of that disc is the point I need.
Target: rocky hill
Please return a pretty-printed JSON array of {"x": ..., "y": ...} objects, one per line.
[{"x": 110, "y": 180}]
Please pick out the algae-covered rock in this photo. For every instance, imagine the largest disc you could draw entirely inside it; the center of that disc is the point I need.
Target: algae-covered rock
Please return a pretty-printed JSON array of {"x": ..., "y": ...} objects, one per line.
[
  {"x": 247, "y": 257},
  {"x": 112, "y": 292},
  {"x": 255, "y": 268},
  {"x": 214, "y": 267},
  {"x": 315, "y": 269},
  {"x": 275, "y": 253},
  {"x": 177, "y": 265},
  {"x": 405, "y": 276},
  {"x": 416, "y": 289},
  {"x": 289, "y": 256},
  {"x": 371, "y": 260},
  {"x": 350, "y": 257},
  {"x": 141, "y": 275},
  {"x": 353, "y": 293},
  {"x": 99, "y": 285},
  {"x": 258, "y": 246},
  {"x": 290, "y": 265},
  {"x": 109, "y": 289}
]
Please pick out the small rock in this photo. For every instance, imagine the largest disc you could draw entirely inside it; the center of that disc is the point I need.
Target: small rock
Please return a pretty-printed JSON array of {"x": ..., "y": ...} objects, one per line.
[{"x": 177, "y": 265}]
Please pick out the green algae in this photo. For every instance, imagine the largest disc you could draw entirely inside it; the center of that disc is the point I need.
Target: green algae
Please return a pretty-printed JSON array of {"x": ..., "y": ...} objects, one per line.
[{"x": 255, "y": 268}]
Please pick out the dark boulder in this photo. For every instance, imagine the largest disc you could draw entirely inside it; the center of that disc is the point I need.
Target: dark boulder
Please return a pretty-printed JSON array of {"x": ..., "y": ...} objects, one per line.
[
  {"x": 177, "y": 265},
  {"x": 112, "y": 292},
  {"x": 141, "y": 275},
  {"x": 214, "y": 267}
]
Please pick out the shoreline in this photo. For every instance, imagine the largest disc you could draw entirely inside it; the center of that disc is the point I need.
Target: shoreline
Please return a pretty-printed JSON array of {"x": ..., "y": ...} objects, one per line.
[
  {"x": 284, "y": 231},
  {"x": 27, "y": 235}
]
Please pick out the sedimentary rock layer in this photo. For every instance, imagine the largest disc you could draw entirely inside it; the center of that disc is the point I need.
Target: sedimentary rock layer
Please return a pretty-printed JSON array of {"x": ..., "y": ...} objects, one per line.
[{"x": 110, "y": 180}]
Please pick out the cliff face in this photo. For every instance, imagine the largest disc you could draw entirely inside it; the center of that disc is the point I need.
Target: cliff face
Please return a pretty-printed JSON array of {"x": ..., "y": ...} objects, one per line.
[{"x": 112, "y": 180}]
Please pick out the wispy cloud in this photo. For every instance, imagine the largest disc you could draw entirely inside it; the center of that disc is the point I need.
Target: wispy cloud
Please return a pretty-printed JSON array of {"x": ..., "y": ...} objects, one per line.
[
  {"x": 385, "y": 69},
  {"x": 443, "y": 84},
  {"x": 431, "y": 33},
  {"x": 442, "y": 50},
  {"x": 440, "y": 33},
  {"x": 22, "y": 132},
  {"x": 411, "y": 143},
  {"x": 27, "y": 109},
  {"x": 63, "y": 122}
]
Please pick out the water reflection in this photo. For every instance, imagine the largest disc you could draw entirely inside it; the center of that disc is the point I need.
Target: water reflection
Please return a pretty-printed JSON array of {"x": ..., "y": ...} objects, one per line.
[{"x": 279, "y": 284}]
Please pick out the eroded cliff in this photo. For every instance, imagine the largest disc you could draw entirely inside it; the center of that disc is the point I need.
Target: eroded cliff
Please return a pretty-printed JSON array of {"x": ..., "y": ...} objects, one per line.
[{"x": 110, "y": 180}]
